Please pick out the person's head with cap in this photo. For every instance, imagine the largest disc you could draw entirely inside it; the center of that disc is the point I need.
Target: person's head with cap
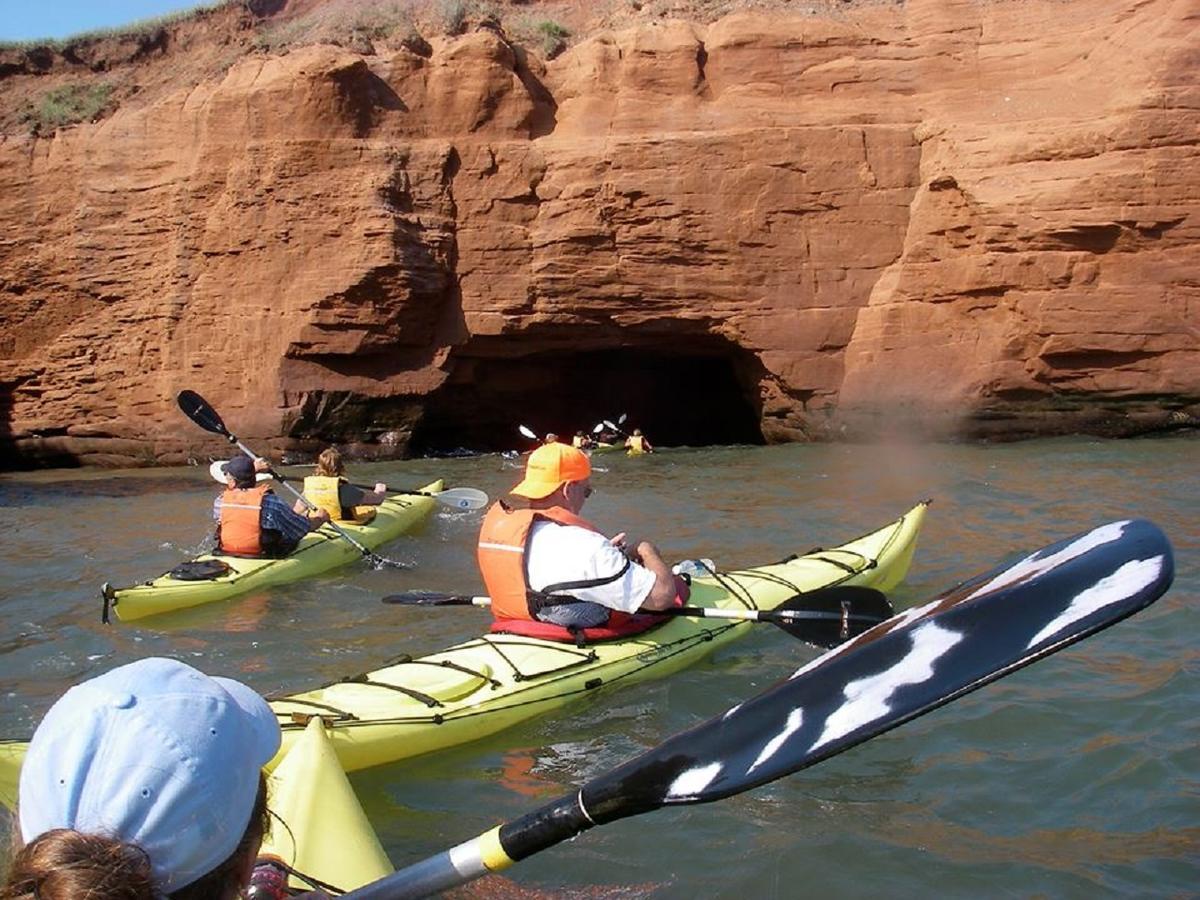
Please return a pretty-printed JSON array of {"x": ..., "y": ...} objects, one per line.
[
  {"x": 144, "y": 782},
  {"x": 556, "y": 475},
  {"x": 551, "y": 438},
  {"x": 241, "y": 470}
]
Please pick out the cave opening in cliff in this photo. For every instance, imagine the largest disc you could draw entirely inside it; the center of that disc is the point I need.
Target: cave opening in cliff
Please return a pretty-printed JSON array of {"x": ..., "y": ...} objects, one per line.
[{"x": 678, "y": 398}]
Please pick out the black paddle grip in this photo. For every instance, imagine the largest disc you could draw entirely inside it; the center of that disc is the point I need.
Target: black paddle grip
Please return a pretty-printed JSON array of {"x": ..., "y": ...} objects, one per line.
[{"x": 553, "y": 823}]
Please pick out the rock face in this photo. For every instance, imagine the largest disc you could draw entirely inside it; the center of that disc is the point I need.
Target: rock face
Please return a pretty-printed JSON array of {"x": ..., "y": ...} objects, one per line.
[{"x": 947, "y": 217}]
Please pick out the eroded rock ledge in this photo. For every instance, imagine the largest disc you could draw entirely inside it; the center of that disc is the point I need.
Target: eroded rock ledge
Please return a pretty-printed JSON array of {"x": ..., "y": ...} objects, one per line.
[{"x": 950, "y": 218}]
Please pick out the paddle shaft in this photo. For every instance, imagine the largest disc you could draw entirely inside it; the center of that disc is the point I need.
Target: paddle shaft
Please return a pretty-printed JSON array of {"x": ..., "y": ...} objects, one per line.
[{"x": 774, "y": 616}]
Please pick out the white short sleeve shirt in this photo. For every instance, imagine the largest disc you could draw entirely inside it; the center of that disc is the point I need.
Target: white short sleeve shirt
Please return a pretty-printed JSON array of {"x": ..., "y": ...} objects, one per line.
[{"x": 556, "y": 553}]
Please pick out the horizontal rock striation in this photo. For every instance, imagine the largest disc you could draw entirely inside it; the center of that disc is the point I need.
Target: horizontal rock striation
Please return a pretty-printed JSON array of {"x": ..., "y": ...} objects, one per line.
[{"x": 945, "y": 218}]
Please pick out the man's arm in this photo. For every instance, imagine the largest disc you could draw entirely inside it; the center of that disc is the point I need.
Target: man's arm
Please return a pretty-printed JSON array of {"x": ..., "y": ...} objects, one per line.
[
  {"x": 291, "y": 525},
  {"x": 662, "y": 595}
]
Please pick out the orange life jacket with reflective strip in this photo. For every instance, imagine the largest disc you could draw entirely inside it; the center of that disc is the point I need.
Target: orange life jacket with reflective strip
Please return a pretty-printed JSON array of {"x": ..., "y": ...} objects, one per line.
[
  {"x": 241, "y": 520},
  {"x": 503, "y": 540}
]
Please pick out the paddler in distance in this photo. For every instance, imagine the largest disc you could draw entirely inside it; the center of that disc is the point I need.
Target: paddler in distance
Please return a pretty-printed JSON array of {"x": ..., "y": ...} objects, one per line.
[
  {"x": 636, "y": 444},
  {"x": 542, "y": 562},
  {"x": 144, "y": 783},
  {"x": 582, "y": 441},
  {"x": 329, "y": 490},
  {"x": 251, "y": 520}
]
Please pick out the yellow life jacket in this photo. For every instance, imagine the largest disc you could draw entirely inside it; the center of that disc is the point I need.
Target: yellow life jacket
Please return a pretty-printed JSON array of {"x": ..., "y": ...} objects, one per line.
[
  {"x": 322, "y": 492},
  {"x": 637, "y": 444}
]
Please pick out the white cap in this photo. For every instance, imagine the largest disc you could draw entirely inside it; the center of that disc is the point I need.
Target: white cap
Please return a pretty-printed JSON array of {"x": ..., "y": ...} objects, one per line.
[{"x": 155, "y": 754}]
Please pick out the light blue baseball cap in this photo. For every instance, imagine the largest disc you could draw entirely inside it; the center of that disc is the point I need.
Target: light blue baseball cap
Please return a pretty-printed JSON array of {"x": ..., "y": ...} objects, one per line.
[{"x": 154, "y": 753}]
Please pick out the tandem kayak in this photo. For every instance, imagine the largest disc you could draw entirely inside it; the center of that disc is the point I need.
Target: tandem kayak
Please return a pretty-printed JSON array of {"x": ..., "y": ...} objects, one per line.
[
  {"x": 485, "y": 685},
  {"x": 317, "y": 552},
  {"x": 318, "y": 827}
]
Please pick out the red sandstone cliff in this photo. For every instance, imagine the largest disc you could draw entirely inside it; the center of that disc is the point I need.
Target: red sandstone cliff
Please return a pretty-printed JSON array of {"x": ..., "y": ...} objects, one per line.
[{"x": 961, "y": 218}]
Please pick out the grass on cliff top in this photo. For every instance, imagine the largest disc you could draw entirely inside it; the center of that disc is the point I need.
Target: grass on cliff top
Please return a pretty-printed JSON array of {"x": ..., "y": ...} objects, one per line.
[
  {"x": 338, "y": 22},
  {"x": 131, "y": 29},
  {"x": 403, "y": 21},
  {"x": 67, "y": 105}
]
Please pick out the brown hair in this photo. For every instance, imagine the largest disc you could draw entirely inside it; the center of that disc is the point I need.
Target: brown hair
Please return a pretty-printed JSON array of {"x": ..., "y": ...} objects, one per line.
[
  {"x": 329, "y": 463},
  {"x": 62, "y": 864}
]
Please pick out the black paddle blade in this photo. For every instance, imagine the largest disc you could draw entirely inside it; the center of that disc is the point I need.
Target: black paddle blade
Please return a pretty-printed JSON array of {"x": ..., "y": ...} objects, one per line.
[
  {"x": 426, "y": 598},
  {"x": 197, "y": 409},
  {"x": 852, "y": 611},
  {"x": 921, "y": 659}
]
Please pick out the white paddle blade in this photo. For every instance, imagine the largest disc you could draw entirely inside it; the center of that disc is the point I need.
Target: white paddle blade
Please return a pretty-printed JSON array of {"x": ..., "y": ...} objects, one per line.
[
  {"x": 462, "y": 498},
  {"x": 528, "y": 432}
]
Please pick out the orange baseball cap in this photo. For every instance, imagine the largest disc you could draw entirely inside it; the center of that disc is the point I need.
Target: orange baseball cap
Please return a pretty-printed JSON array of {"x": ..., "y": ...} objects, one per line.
[{"x": 551, "y": 466}]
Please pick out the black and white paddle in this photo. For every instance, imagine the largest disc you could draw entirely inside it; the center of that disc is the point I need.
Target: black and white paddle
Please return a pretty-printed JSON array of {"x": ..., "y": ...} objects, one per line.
[{"x": 915, "y": 662}]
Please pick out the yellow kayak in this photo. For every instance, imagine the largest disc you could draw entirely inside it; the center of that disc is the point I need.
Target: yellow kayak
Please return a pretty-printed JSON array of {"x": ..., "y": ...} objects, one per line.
[
  {"x": 485, "y": 685},
  {"x": 318, "y": 826},
  {"x": 317, "y": 552}
]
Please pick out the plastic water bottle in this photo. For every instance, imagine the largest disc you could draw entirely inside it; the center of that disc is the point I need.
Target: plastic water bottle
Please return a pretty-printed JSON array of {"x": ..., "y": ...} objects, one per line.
[
  {"x": 694, "y": 568},
  {"x": 269, "y": 881}
]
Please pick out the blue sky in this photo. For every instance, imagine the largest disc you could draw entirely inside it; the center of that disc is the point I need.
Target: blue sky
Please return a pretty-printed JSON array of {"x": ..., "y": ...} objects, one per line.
[{"x": 23, "y": 20}]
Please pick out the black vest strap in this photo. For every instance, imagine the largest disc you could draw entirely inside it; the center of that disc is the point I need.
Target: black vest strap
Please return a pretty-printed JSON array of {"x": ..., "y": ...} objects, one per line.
[{"x": 551, "y": 594}]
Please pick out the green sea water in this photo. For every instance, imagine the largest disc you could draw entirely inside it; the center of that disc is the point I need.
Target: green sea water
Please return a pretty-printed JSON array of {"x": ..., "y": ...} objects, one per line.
[{"x": 1077, "y": 777}]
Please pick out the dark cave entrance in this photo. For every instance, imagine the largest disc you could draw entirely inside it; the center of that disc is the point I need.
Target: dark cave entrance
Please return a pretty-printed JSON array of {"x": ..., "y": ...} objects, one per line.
[{"x": 686, "y": 397}]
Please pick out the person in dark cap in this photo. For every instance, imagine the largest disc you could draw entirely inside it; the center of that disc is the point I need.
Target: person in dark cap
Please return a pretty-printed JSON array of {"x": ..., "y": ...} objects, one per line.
[{"x": 252, "y": 520}]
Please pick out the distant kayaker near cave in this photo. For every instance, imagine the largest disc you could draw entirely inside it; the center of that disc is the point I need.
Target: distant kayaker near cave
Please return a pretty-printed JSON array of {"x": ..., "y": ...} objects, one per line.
[
  {"x": 329, "y": 490},
  {"x": 542, "y": 562},
  {"x": 582, "y": 441},
  {"x": 251, "y": 520},
  {"x": 637, "y": 444}
]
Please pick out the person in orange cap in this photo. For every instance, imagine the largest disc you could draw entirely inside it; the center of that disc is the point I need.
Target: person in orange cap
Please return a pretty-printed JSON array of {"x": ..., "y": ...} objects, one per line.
[{"x": 542, "y": 561}]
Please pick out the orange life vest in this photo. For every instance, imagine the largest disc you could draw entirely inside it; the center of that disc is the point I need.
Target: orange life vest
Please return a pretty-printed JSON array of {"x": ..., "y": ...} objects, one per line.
[
  {"x": 503, "y": 540},
  {"x": 241, "y": 520}
]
